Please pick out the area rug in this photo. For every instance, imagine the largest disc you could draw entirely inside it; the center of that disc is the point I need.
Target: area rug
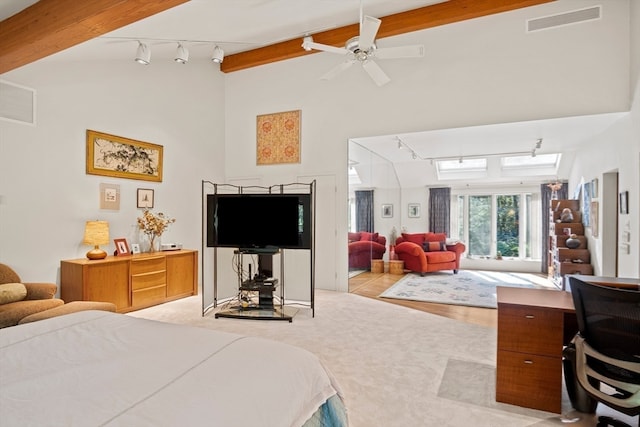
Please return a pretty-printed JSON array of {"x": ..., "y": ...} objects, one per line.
[{"x": 468, "y": 287}]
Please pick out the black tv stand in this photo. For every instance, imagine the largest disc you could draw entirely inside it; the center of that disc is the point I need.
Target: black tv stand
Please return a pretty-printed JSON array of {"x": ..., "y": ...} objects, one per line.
[{"x": 256, "y": 295}]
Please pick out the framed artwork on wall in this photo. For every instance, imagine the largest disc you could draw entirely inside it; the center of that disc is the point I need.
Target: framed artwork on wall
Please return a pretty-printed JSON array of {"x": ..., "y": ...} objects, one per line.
[
  {"x": 145, "y": 198},
  {"x": 119, "y": 157},
  {"x": 414, "y": 210},
  {"x": 387, "y": 211},
  {"x": 110, "y": 197},
  {"x": 278, "y": 138}
]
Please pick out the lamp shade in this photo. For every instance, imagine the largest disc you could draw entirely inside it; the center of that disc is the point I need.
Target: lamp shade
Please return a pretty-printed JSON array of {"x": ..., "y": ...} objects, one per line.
[{"x": 96, "y": 233}]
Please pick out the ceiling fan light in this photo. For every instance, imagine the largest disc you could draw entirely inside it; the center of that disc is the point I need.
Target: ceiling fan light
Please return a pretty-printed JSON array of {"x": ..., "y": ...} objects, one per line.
[
  {"x": 182, "y": 54},
  {"x": 218, "y": 55},
  {"x": 143, "y": 54}
]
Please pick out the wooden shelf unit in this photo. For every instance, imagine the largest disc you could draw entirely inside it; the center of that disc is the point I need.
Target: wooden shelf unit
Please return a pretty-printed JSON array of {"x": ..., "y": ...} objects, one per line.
[
  {"x": 563, "y": 260},
  {"x": 131, "y": 282}
]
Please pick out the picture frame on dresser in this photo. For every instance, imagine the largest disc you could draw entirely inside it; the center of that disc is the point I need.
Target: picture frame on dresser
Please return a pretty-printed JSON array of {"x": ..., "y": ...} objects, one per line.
[{"x": 122, "y": 247}]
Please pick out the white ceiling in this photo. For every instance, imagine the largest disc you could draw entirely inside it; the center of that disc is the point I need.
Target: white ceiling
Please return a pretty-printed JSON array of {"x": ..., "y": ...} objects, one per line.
[{"x": 240, "y": 25}]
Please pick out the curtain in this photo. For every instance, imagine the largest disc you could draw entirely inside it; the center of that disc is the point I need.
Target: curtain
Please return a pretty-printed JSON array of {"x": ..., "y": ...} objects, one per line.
[
  {"x": 545, "y": 199},
  {"x": 439, "y": 210},
  {"x": 364, "y": 210}
]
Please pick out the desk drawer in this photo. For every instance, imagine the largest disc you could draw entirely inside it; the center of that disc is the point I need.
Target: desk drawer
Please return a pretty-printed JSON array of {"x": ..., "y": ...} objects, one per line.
[
  {"x": 530, "y": 330},
  {"x": 529, "y": 380}
]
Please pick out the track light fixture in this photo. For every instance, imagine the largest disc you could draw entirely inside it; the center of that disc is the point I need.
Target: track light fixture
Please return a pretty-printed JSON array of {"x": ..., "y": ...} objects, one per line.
[
  {"x": 143, "y": 55},
  {"x": 182, "y": 54},
  {"x": 306, "y": 43},
  {"x": 218, "y": 55}
]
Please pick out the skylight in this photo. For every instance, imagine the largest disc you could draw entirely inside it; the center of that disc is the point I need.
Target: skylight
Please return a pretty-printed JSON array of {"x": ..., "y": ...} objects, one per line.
[
  {"x": 538, "y": 161},
  {"x": 462, "y": 165}
]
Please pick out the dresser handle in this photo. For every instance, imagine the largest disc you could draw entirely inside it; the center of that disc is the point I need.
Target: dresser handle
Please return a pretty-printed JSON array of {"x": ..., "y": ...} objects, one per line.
[
  {"x": 528, "y": 362},
  {"x": 529, "y": 316}
]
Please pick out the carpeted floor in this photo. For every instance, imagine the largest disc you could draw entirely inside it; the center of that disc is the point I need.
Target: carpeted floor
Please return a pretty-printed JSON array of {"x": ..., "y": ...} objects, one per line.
[
  {"x": 397, "y": 366},
  {"x": 468, "y": 287}
]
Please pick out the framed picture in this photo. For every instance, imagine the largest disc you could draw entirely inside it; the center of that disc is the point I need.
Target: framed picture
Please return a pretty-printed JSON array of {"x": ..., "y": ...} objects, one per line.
[
  {"x": 278, "y": 138},
  {"x": 145, "y": 198},
  {"x": 624, "y": 202},
  {"x": 135, "y": 248},
  {"x": 122, "y": 248},
  {"x": 594, "y": 218},
  {"x": 414, "y": 210},
  {"x": 110, "y": 197},
  {"x": 119, "y": 157},
  {"x": 387, "y": 211}
]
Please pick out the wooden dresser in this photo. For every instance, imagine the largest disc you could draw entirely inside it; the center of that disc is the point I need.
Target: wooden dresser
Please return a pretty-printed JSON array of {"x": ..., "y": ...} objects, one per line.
[
  {"x": 131, "y": 282},
  {"x": 533, "y": 326}
]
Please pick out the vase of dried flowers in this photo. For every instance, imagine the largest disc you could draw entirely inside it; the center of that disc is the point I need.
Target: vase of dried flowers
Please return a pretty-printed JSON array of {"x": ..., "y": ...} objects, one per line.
[
  {"x": 555, "y": 187},
  {"x": 153, "y": 225}
]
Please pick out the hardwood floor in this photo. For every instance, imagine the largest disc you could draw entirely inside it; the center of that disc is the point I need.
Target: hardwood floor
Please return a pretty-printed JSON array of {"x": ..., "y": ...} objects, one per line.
[{"x": 371, "y": 285}]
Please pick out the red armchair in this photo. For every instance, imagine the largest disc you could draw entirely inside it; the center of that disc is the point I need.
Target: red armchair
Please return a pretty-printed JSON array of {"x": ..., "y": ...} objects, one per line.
[
  {"x": 427, "y": 252},
  {"x": 363, "y": 247}
]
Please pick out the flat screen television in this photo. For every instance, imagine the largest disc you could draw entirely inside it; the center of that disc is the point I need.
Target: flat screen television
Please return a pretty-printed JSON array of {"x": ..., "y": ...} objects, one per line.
[{"x": 259, "y": 221}]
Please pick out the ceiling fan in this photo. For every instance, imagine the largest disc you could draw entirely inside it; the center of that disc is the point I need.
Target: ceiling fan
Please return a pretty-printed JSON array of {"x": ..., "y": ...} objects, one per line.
[{"x": 362, "y": 48}]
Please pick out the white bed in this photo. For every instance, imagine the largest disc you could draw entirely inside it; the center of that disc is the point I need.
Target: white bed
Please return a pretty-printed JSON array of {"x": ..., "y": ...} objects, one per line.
[{"x": 97, "y": 368}]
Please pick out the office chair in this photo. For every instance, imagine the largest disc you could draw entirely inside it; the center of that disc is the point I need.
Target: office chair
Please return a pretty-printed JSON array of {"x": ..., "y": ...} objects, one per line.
[{"x": 605, "y": 351}]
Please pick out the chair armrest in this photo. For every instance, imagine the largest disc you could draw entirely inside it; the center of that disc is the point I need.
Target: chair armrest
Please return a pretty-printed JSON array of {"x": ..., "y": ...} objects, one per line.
[
  {"x": 365, "y": 246},
  {"x": 409, "y": 248},
  {"x": 458, "y": 248},
  {"x": 40, "y": 290}
]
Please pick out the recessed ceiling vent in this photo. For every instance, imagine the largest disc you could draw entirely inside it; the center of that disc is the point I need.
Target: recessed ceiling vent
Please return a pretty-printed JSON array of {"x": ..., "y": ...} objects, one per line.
[
  {"x": 562, "y": 19},
  {"x": 17, "y": 103}
]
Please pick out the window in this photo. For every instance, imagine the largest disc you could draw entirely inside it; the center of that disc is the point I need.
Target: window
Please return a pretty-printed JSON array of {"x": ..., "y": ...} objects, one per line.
[{"x": 491, "y": 222}]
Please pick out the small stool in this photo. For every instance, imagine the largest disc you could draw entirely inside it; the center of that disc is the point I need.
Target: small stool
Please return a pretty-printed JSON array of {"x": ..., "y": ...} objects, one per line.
[
  {"x": 396, "y": 266},
  {"x": 377, "y": 266},
  {"x": 71, "y": 307}
]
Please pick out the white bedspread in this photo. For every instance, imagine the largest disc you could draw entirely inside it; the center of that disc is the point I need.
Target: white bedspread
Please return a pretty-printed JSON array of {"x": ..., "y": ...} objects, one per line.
[{"x": 99, "y": 368}]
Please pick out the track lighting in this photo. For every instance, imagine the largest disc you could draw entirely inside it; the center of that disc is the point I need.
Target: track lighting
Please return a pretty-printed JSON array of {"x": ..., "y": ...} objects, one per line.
[
  {"x": 143, "y": 55},
  {"x": 306, "y": 43},
  {"x": 182, "y": 54},
  {"x": 218, "y": 55},
  {"x": 539, "y": 144}
]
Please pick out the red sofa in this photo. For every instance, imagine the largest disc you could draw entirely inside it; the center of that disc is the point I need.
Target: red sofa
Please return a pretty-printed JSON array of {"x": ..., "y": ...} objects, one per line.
[
  {"x": 363, "y": 247},
  {"x": 426, "y": 252}
]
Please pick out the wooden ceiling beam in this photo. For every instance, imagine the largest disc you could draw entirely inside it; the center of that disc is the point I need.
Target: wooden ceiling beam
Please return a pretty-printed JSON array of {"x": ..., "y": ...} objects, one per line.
[
  {"x": 50, "y": 26},
  {"x": 413, "y": 20}
]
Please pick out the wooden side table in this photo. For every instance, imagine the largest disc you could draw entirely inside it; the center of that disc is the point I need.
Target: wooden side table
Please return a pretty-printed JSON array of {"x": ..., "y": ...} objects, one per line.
[
  {"x": 377, "y": 266},
  {"x": 396, "y": 266}
]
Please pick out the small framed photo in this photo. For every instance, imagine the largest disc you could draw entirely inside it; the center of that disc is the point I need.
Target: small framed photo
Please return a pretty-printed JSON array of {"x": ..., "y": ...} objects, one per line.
[
  {"x": 145, "y": 198},
  {"x": 624, "y": 202},
  {"x": 135, "y": 248},
  {"x": 414, "y": 210},
  {"x": 122, "y": 248},
  {"x": 387, "y": 211}
]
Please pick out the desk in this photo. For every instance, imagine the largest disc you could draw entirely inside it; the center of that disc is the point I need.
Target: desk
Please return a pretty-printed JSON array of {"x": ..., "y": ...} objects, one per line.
[{"x": 533, "y": 327}]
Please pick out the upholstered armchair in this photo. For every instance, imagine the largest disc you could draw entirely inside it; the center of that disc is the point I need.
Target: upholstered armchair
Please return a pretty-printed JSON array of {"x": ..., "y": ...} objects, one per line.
[
  {"x": 19, "y": 300},
  {"x": 363, "y": 247},
  {"x": 427, "y": 252}
]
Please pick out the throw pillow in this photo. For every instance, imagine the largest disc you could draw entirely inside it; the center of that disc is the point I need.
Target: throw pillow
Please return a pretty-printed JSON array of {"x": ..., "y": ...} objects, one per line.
[
  {"x": 417, "y": 238},
  {"x": 366, "y": 236},
  {"x": 354, "y": 237},
  {"x": 12, "y": 292},
  {"x": 433, "y": 246}
]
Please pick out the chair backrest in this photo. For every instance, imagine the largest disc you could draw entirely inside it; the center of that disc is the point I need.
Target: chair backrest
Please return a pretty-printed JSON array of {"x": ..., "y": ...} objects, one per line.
[
  {"x": 7, "y": 275},
  {"x": 608, "y": 318}
]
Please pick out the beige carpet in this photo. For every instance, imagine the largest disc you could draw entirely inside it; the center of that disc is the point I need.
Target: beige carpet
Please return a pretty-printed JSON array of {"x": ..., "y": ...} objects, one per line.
[{"x": 397, "y": 366}]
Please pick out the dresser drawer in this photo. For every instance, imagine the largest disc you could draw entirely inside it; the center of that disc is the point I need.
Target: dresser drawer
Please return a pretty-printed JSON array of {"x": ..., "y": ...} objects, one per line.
[
  {"x": 148, "y": 265},
  {"x": 147, "y": 280},
  {"x": 529, "y": 380},
  {"x": 148, "y": 296},
  {"x": 528, "y": 329}
]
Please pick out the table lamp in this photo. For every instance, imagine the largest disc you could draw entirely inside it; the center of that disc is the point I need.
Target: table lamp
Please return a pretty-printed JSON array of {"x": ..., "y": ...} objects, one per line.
[{"x": 96, "y": 233}]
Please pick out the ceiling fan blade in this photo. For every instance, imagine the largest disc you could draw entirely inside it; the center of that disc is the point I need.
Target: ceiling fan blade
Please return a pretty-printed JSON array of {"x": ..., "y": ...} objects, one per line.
[
  {"x": 325, "y": 48},
  {"x": 415, "y": 51},
  {"x": 337, "y": 69},
  {"x": 368, "y": 32},
  {"x": 376, "y": 73}
]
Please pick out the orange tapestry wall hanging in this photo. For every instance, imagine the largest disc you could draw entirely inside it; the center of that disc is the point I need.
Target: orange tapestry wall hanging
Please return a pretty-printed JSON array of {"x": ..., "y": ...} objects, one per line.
[{"x": 278, "y": 138}]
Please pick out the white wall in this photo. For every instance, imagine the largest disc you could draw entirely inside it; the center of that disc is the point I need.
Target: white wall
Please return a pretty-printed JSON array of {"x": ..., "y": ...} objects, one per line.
[
  {"x": 45, "y": 194},
  {"x": 483, "y": 71}
]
